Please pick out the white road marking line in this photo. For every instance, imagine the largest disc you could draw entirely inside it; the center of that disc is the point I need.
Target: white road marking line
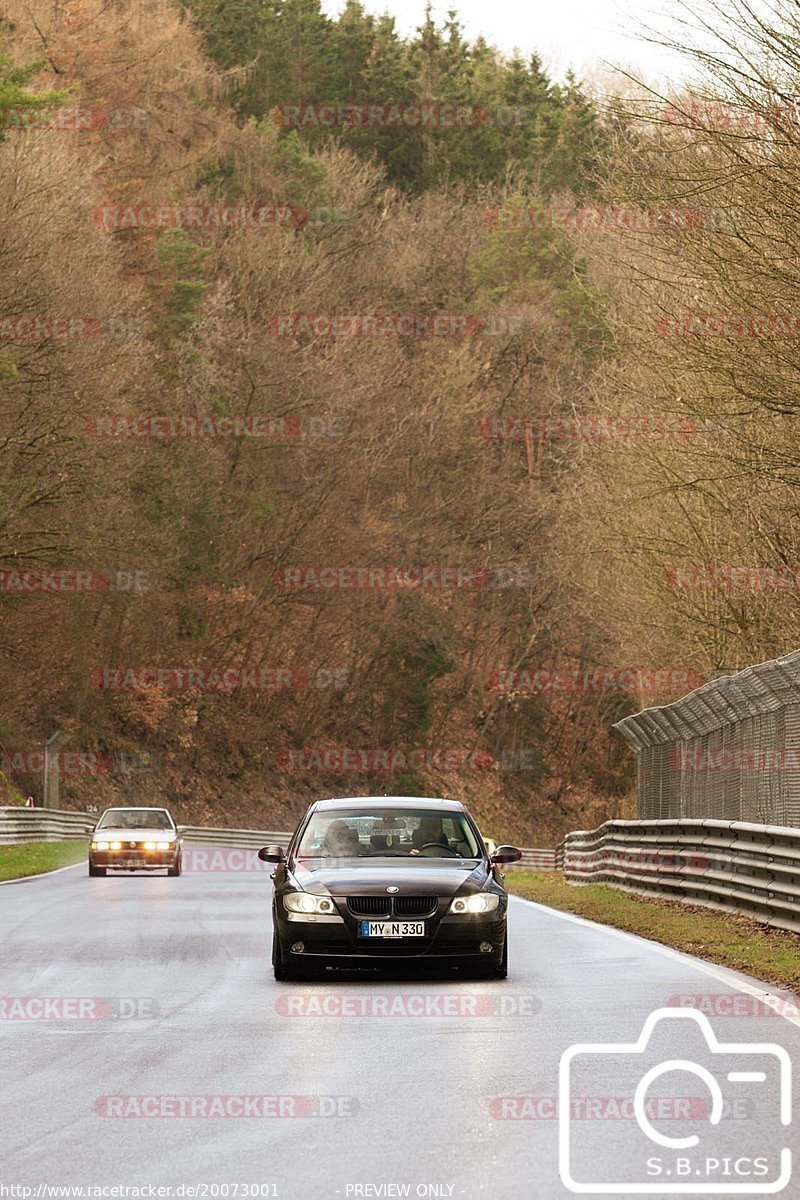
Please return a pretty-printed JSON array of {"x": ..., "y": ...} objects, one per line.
[
  {"x": 41, "y": 874},
  {"x": 721, "y": 974}
]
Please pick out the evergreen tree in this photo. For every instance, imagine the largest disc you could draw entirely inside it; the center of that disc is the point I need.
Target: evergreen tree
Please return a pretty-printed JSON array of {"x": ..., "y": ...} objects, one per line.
[{"x": 511, "y": 113}]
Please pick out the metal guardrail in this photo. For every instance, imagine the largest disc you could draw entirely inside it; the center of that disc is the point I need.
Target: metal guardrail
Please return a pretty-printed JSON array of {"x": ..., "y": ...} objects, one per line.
[
  {"x": 748, "y": 869},
  {"x": 534, "y": 860},
  {"x": 245, "y": 839},
  {"x": 18, "y": 825}
]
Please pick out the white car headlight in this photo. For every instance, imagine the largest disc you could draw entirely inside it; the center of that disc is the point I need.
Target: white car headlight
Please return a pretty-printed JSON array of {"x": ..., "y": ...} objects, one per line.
[
  {"x": 165, "y": 845},
  {"x": 304, "y": 902},
  {"x": 482, "y": 902},
  {"x": 99, "y": 845}
]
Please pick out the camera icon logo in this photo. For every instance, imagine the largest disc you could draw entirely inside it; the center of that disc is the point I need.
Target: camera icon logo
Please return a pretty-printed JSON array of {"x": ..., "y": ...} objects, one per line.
[{"x": 706, "y": 1155}]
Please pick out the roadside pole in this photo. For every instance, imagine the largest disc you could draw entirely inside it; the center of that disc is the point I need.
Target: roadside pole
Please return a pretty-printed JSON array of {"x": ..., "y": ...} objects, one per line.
[{"x": 52, "y": 774}]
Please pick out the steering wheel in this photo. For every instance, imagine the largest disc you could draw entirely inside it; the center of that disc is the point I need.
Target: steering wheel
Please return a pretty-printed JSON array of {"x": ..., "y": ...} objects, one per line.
[{"x": 440, "y": 850}]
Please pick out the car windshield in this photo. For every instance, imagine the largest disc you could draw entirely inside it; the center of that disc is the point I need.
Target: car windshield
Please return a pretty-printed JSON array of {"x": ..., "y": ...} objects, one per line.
[
  {"x": 388, "y": 833},
  {"x": 135, "y": 818}
]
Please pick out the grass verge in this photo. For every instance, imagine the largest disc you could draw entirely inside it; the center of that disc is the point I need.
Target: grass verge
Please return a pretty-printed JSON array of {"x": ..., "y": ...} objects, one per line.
[
  {"x": 32, "y": 858},
  {"x": 737, "y": 942}
]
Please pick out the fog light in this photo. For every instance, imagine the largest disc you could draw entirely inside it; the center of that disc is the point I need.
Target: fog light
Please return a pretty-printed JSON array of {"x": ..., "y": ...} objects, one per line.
[
  {"x": 297, "y": 948},
  {"x": 486, "y": 947}
]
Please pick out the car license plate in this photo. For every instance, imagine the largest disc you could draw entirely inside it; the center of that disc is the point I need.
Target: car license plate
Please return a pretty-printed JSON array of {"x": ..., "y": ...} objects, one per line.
[{"x": 392, "y": 929}]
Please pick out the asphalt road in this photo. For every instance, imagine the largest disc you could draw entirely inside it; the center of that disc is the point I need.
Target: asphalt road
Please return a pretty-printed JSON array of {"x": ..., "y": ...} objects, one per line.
[{"x": 144, "y": 1042}]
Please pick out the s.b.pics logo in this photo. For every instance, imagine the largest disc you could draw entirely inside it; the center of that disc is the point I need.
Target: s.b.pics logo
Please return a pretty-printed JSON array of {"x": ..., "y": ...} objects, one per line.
[{"x": 707, "y": 1151}]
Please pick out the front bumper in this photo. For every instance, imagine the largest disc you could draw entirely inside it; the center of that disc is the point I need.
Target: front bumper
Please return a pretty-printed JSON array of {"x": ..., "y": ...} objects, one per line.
[
  {"x": 450, "y": 939},
  {"x": 134, "y": 860}
]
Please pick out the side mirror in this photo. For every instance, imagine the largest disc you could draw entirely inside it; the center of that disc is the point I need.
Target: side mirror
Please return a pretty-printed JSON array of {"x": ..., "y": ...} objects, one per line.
[
  {"x": 273, "y": 854},
  {"x": 505, "y": 854}
]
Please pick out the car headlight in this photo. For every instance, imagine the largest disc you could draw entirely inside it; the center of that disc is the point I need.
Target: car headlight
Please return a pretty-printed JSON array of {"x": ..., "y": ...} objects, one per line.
[
  {"x": 99, "y": 845},
  {"x": 304, "y": 902},
  {"x": 162, "y": 845},
  {"x": 150, "y": 845},
  {"x": 483, "y": 902},
  {"x": 114, "y": 845}
]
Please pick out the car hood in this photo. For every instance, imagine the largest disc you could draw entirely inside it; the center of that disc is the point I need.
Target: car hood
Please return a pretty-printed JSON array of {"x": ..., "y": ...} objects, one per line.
[
  {"x": 132, "y": 835},
  {"x": 351, "y": 876}
]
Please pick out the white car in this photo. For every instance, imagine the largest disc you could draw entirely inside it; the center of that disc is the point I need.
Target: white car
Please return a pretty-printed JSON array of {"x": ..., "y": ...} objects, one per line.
[{"x": 135, "y": 839}]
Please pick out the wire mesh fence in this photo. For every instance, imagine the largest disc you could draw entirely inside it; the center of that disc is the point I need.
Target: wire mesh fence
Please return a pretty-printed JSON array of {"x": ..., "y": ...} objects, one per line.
[{"x": 728, "y": 751}]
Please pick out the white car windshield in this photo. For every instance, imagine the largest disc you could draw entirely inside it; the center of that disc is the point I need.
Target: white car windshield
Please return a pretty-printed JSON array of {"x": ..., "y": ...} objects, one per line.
[
  {"x": 388, "y": 833},
  {"x": 136, "y": 818}
]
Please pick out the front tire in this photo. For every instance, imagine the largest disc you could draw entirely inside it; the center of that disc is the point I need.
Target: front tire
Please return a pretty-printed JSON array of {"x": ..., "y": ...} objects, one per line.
[
  {"x": 96, "y": 871},
  {"x": 284, "y": 969},
  {"x": 176, "y": 870},
  {"x": 278, "y": 969}
]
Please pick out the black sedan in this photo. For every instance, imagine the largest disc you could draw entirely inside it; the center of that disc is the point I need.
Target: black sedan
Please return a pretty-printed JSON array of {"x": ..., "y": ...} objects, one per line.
[{"x": 374, "y": 882}]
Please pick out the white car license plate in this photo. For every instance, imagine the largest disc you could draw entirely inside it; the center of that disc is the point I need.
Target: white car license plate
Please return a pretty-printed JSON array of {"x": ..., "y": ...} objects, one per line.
[{"x": 392, "y": 929}]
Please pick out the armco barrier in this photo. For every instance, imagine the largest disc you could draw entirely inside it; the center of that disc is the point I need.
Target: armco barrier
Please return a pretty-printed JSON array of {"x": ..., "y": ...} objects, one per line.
[
  {"x": 534, "y": 860},
  {"x": 245, "y": 839},
  {"x": 18, "y": 825},
  {"x": 751, "y": 870}
]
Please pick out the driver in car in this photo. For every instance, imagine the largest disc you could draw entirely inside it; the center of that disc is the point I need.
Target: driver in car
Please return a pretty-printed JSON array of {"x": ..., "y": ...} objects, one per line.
[{"x": 429, "y": 831}]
